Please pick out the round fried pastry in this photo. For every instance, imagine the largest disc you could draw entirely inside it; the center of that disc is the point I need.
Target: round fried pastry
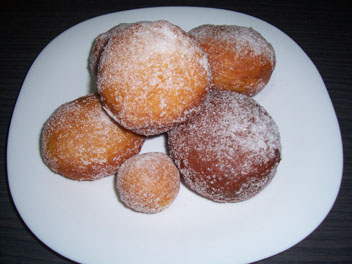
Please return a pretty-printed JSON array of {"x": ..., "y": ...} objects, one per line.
[
  {"x": 81, "y": 142},
  {"x": 152, "y": 76},
  {"x": 148, "y": 182},
  {"x": 241, "y": 59},
  {"x": 230, "y": 151}
]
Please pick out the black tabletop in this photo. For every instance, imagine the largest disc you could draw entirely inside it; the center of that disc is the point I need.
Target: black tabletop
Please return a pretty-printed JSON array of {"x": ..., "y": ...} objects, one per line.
[{"x": 322, "y": 29}]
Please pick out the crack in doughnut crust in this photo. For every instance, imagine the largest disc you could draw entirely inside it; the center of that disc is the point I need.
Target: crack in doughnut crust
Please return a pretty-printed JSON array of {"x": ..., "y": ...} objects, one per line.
[
  {"x": 148, "y": 182},
  {"x": 152, "y": 76},
  {"x": 241, "y": 59},
  {"x": 230, "y": 151},
  {"x": 81, "y": 142}
]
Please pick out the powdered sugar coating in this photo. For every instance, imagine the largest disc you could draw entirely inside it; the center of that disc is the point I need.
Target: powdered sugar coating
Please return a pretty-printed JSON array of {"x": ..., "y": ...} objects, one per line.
[
  {"x": 241, "y": 59},
  {"x": 152, "y": 76},
  {"x": 80, "y": 141},
  {"x": 98, "y": 46},
  {"x": 148, "y": 182},
  {"x": 230, "y": 151}
]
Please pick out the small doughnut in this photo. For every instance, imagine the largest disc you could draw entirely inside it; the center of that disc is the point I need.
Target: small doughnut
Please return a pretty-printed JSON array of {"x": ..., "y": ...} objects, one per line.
[
  {"x": 148, "y": 183},
  {"x": 81, "y": 142},
  {"x": 230, "y": 151},
  {"x": 98, "y": 47},
  {"x": 152, "y": 76},
  {"x": 240, "y": 58}
]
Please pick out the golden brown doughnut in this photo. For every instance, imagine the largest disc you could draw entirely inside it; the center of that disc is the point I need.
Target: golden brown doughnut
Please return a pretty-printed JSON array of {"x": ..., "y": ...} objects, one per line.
[
  {"x": 230, "y": 151},
  {"x": 81, "y": 142},
  {"x": 148, "y": 182},
  {"x": 241, "y": 59},
  {"x": 152, "y": 76}
]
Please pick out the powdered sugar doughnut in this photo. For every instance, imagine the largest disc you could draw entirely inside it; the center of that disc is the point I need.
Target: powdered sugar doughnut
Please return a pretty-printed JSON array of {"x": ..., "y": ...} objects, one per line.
[
  {"x": 148, "y": 182},
  {"x": 152, "y": 76},
  {"x": 241, "y": 59},
  {"x": 80, "y": 141},
  {"x": 228, "y": 152},
  {"x": 98, "y": 47}
]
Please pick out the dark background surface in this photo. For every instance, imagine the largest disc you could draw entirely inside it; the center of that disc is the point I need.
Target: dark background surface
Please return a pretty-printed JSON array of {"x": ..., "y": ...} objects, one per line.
[{"x": 322, "y": 29}]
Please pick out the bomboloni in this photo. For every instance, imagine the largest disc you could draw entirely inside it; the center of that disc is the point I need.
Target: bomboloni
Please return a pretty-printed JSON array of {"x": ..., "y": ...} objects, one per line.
[
  {"x": 81, "y": 142},
  {"x": 148, "y": 183},
  {"x": 152, "y": 76},
  {"x": 241, "y": 59},
  {"x": 98, "y": 46},
  {"x": 230, "y": 151}
]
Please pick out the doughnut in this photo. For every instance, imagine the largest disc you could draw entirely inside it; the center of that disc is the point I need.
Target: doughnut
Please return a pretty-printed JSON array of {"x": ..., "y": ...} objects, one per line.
[
  {"x": 81, "y": 142},
  {"x": 152, "y": 76},
  {"x": 148, "y": 183},
  {"x": 98, "y": 47},
  {"x": 230, "y": 151},
  {"x": 240, "y": 58}
]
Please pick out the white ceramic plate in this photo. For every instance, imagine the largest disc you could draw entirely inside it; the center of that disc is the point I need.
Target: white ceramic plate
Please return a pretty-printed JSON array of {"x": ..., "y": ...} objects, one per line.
[{"x": 85, "y": 222}]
